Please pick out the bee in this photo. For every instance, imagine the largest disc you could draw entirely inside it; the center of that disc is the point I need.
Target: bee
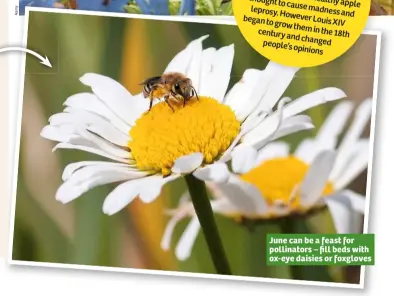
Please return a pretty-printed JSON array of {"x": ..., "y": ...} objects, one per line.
[{"x": 171, "y": 85}]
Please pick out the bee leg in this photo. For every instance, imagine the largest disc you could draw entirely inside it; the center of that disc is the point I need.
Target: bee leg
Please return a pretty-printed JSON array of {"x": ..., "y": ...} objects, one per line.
[
  {"x": 152, "y": 96},
  {"x": 168, "y": 103}
]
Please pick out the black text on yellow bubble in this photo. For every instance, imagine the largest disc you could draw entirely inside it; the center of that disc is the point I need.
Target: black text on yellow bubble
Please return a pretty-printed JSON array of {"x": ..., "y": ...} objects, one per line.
[{"x": 301, "y": 33}]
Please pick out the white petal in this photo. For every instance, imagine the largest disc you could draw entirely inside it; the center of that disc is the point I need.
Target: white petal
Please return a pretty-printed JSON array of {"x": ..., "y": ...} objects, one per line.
[
  {"x": 334, "y": 124},
  {"x": 90, "y": 150},
  {"x": 187, "y": 164},
  {"x": 243, "y": 159},
  {"x": 90, "y": 102},
  {"x": 313, "y": 99},
  {"x": 280, "y": 78},
  {"x": 362, "y": 117},
  {"x": 307, "y": 150},
  {"x": 186, "y": 242},
  {"x": 181, "y": 61},
  {"x": 193, "y": 71},
  {"x": 91, "y": 171},
  {"x": 89, "y": 177},
  {"x": 215, "y": 79},
  {"x": 208, "y": 57},
  {"x": 242, "y": 98},
  {"x": 116, "y": 97},
  {"x": 345, "y": 219},
  {"x": 266, "y": 88},
  {"x": 244, "y": 196},
  {"x": 77, "y": 137},
  {"x": 268, "y": 129},
  {"x": 357, "y": 200},
  {"x": 217, "y": 172},
  {"x": 316, "y": 178},
  {"x": 120, "y": 197},
  {"x": 58, "y": 134},
  {"x": 123, "y": 194},
  {"x": 296, "y": 106},
  {"x": 283, "y": 131},
  {"x": 245, "y": 129},
  {"x": 104, "y": 144},
  {"x": 92, "y": 122},
  {"x": 73, "y": 167},
  {"x": 151, "y": 188},
  {"x": 272, "y": 150},
  {"x": 169, "y": 230},
  {"x": 287, "y": 129},
  {"x": 357, "y": 164}
]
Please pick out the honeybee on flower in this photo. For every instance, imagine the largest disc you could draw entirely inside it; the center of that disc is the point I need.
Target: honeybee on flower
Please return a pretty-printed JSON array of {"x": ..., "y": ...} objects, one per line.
[{"x": 146, "y": 150}]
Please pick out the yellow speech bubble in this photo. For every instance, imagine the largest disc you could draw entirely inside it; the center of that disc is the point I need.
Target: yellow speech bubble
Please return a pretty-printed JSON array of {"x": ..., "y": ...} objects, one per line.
[{"x": 301, "y": 33}]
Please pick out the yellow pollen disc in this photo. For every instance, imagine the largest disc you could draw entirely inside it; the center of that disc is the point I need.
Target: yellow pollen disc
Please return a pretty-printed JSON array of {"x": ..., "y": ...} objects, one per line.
[
  {"x": 161, "y": 135},
  {"x": 277, "y": 178}
]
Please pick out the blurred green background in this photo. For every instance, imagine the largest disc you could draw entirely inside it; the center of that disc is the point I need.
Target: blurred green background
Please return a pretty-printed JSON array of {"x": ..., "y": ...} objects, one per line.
[{"x": 130, "y": 50}]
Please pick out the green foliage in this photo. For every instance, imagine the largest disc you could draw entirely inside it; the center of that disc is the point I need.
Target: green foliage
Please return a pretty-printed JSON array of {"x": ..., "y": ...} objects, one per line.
[
  {"x": 213, "y": 7},
  {"x": 203, "y": 7}
]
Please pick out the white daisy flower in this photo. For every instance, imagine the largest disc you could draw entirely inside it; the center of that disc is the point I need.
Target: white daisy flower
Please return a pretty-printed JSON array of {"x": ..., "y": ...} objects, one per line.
[
  {"x": 149, "y": 149},
  {"x": 281, "y": 184}
]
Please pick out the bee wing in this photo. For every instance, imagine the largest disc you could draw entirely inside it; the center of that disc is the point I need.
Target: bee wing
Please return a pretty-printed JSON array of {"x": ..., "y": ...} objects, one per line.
[
  {"x": 149, "y": 84},
  {"x": 151, "y": 80}
]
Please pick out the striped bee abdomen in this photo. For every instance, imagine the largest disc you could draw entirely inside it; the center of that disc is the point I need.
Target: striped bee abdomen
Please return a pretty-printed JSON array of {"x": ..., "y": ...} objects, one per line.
[{"x": 149, "y": 84}]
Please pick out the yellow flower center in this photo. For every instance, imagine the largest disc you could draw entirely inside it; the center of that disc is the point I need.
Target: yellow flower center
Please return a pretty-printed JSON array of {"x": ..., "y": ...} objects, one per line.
[
  {"x": 279, "y": 179},
  {"x": 161, "y": 135}
]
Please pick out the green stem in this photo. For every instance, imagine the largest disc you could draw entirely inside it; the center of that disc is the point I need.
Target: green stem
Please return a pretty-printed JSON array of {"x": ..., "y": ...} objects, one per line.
[{"x": 203, "y": 209}]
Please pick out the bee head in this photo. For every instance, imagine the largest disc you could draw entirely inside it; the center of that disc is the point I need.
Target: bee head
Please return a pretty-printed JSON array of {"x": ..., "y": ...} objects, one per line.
[{"x": 184, "y": 88}]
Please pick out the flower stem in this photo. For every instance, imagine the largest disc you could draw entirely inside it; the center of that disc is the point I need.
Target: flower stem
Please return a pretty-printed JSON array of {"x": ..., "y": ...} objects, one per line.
[{"x": 203, "y": 209}]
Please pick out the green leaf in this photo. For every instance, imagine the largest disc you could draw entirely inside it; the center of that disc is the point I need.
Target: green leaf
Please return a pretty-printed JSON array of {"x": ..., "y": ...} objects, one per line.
[
  {"x": 133, "y": 8},
  {"x": 227, "y": 9},
  {"x": 174, "y": 7},
  {"x": 206, "y": 7}
]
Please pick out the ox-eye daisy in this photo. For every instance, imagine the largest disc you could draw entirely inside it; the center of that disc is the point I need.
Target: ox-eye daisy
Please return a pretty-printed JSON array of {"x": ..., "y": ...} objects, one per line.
[
  {"x": 281, "y": 184},
  {"x": 150, "y": 149}
]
